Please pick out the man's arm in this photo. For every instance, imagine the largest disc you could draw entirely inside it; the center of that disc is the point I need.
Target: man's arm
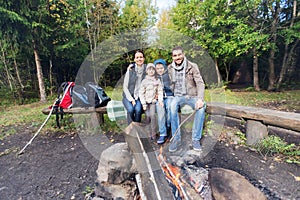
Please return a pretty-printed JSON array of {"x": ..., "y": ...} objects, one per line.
[{"x": 199, "y": 82}]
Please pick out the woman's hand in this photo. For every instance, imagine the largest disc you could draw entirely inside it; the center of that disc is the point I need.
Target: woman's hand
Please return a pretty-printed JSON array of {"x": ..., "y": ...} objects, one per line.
[{"x": 133, "y": 102}]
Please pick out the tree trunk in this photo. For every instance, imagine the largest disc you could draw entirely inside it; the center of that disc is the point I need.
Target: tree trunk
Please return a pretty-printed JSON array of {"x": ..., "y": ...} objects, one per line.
[
  {"x": 255, "y": 70},
  {"x": 219, "y": 78},
  {"x": 271, "y": 58},
  {"x": 51, "y": 77},
  {"x": 39, "y": 73},
  {"x": 271, "y": 85},
  {"x": 287, "y": 53},
  {"x": 9, "y": 76}
]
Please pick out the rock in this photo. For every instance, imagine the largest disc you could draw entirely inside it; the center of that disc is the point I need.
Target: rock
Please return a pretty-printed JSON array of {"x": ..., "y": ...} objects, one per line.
[
  {"x": 227, "y": 184},
  {"x": 115, "y": 172},
  {"x": 125, "y": 190},
  {"x": 255, "y": 131},
  {"x": 116, "y": 164}
]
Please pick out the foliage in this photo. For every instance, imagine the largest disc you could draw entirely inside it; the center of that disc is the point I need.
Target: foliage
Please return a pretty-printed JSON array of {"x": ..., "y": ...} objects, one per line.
[
  {"x": 241, "y": 136},
  {"x": 65, "y": 32},
  {"x": 88, "y": 190},
  {"x": 274, "y": 145}
]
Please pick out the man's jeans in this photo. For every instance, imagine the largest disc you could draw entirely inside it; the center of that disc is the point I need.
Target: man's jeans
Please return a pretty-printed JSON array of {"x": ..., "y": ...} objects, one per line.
[
  {"x": 164, "y": 116},
  {"x": 134, "y": 113},
  {"x": 178, "y": 102}
]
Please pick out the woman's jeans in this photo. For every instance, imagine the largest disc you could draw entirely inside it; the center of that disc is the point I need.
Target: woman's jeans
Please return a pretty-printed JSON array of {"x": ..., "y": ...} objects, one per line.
[
  {"x": 134, "y": 113},
  {"x": 180, "y": 101}
]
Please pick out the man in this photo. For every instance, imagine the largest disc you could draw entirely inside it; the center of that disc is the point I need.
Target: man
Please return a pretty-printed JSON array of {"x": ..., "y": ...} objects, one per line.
[{"x": 188, "y": 88}]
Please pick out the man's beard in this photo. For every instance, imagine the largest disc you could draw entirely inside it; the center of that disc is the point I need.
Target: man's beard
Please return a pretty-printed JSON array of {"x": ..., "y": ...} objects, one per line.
[{"x": 178, "y": 64}]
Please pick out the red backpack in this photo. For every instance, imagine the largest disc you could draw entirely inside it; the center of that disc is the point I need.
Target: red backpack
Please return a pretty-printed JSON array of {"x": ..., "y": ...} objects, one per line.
[{"x": 65, "y": 101}]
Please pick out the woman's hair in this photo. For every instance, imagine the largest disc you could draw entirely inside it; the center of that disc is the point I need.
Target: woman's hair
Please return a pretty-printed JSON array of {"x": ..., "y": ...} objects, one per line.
[{"x": 139, "y": 51}]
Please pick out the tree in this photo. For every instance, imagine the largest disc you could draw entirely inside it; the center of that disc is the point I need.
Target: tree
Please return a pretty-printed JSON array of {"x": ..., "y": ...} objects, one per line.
[
  {"x": 291, "y": 37},
  {"x": 27, "y": 20},
  {"x": 217, "y": 27}
]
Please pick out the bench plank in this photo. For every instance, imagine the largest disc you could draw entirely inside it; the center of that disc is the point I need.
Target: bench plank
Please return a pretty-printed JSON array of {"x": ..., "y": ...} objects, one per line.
[{"x": 79, "y": 110}]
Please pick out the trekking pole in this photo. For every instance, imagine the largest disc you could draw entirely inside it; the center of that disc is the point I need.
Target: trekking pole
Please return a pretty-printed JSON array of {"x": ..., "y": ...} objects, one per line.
[
  {"x": 177, "y": 130},
  {"x": 20, "y": 152}
]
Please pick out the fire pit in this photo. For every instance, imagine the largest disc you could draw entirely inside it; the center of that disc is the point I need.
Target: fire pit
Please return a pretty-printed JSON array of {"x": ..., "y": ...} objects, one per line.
[{"x": 143, "y": 172}]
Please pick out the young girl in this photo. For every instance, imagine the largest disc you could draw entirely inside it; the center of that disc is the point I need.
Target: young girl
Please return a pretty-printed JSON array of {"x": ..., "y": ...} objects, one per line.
[{"x": 151, "y": 92}]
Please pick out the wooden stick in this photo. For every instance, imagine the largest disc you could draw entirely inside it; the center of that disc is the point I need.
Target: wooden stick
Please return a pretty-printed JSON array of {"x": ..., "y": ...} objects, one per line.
[{"x": 30, "y": 141}]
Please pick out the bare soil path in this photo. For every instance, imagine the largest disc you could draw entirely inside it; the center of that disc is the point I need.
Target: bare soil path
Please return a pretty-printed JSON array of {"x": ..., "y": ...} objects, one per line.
[{"x": 58, "y": 166}]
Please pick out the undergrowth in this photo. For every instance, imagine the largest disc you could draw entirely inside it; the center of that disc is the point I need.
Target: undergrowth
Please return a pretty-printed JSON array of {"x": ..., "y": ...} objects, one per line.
[{"x": 275, "y": 146}]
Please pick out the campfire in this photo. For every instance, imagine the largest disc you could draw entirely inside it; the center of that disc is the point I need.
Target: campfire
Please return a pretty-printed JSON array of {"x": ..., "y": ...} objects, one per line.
[
  {"x": 134, "y": 170},
  {"x": 182, "y": 182}
]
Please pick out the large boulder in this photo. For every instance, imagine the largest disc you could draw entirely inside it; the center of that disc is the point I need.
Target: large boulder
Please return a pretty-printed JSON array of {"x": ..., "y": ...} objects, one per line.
[
  {"x": 228, "y": 185},
  {"x": 116, "y": 164}
]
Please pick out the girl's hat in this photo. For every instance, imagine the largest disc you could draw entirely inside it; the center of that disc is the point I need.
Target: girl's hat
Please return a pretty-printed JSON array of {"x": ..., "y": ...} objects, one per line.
[{"x": 150, "y": 65}]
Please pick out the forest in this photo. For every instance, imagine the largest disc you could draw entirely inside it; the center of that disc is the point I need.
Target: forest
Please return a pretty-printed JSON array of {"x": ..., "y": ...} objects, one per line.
[{"x": 44, "y": 43}]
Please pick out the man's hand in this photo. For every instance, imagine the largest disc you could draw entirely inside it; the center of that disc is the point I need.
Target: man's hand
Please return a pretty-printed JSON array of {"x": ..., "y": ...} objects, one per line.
[
  {"x": 199, "y": 104},
  {"x": 161, "y": 103},
  {"x": 144, "y": 107}
]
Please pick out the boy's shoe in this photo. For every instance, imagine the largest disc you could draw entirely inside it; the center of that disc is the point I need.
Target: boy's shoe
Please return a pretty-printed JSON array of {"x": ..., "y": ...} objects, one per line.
[
  {"x": 161, "y": 139},
  {"x": 173, "y": 146},
  {"x": 196, "y": 145}
]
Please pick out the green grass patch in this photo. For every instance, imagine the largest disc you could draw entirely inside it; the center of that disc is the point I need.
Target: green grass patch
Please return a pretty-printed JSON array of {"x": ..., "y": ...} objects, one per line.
[
  {"x": 275, "y": 146},
  {"x": 288, "y": 99}
]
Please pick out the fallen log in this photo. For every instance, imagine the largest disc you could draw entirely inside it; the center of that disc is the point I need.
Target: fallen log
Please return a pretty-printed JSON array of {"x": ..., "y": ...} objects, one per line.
[{"x": 153, "y": 180}]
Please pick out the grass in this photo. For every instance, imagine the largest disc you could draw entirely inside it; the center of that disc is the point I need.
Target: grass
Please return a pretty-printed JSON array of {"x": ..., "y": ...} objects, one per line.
[
  {"x": 288, "y": 100},
  {"x": 275, "y": 146}
]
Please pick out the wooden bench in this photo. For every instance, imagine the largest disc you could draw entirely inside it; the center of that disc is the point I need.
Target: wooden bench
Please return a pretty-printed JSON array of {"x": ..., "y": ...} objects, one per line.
[
  {"x": 286, "y": 120},
  {"x": 285, "y": 124}
]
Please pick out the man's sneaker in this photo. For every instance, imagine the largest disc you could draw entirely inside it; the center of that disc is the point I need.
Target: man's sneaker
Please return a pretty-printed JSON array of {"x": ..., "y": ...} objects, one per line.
[
  {"x": 173, "y": 146},
  {"x": 161, "y": 139},
  {"x": 196, "y": 145}
]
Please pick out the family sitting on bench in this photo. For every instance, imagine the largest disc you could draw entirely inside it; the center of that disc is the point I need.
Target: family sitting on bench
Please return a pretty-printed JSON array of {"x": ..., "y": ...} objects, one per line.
[{"x": 165, "y": 89}]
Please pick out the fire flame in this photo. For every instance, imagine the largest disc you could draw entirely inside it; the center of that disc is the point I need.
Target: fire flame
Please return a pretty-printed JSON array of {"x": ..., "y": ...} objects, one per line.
[{"x": 172, "y": 173}]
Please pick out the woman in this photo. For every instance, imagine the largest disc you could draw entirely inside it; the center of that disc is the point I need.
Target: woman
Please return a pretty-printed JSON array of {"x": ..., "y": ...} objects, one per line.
[{"x": 132, "y": 81}]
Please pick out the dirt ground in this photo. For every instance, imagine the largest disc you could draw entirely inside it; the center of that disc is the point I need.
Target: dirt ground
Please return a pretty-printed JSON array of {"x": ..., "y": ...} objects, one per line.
[{"x": 58, "y": 166}]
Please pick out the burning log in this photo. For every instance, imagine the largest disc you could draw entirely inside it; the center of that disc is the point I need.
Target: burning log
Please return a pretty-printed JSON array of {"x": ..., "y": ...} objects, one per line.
[{"x": 173, "y": 174}]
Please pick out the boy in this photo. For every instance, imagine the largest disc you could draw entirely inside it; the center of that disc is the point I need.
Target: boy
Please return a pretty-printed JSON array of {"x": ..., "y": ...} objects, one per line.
[{"x": 164, "y": 114}]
